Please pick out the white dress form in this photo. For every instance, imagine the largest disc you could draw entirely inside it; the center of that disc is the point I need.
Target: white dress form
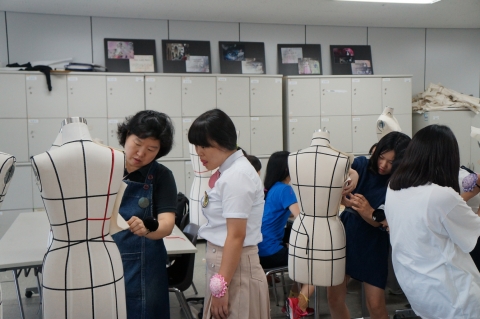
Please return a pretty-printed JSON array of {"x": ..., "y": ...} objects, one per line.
[
  {"x": 7, "y": 168},
  {"x": 317, "y": 241},
  {"x": 82, "y": 270},
  {"x": 387, "y": 123},
  {"x": 199, "y": 187}
]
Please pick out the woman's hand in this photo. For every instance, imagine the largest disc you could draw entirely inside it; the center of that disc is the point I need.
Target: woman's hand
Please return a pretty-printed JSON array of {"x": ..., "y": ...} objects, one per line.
[
  {"x": 219, "y": 307},
  {"x": 351, "y": 184},
  {"x": 137, "y": 227},
  {"x": 361, "y": 205}
]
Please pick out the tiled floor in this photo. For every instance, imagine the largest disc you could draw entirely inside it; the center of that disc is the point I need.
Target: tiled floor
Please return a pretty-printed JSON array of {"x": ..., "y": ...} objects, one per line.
[{"x": 32, "y": 305}]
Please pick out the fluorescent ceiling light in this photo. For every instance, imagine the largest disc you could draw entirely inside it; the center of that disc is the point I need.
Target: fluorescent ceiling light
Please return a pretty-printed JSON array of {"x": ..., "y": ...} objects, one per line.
[{"x": 397, "y": 1}]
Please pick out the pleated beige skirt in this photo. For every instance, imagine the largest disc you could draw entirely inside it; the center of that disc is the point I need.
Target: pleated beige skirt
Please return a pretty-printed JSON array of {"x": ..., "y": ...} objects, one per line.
[{"x": 248, "y": 290}]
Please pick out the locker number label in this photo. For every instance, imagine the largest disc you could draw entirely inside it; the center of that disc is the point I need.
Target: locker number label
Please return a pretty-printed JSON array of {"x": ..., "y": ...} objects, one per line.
[
  {"x": 72, "y": 79},
  {"x": 336, "y": 91},
  {"x": 386, "y": 79},
  {"x": 222, "y": 79},
  {"x": 436, "y": 117},
  {"x": 138, "y": 79},
  {"x": 355, "y": 80},
  {"x": 110, "y": 79},
  {"x": 292, "y": 82},
  {"x": 150, "y": 79},
  {"x": 326, "y": 119},
  {"x": 31, "y": 78},
  {"x": 278, "y": 80},
  {"x": 407, "y": 80},
  {"x": 355, "y": 119},
  {"x": 293, "y": 120},
  {"x": 255, "y": 119},
  {"x": 254, "y": 81},
  {"x": 187, "y": 120},
  {"x": 112, "y": 121},
  {"x": 33, "y": 121},
  {"x": 325, "y": 81},
  {"x": 187, "y": 81}
]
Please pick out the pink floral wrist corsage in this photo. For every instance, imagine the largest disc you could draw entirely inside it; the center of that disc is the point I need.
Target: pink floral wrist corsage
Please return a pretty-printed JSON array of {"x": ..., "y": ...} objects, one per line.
[{"x": 218, "y": 286}]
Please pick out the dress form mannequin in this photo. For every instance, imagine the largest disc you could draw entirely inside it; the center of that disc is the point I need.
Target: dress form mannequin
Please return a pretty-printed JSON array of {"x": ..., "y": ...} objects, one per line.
[
  {"x": 82, "y": 270},
  {"x": 199, "y": 187},
  {"x": 7, "y": 168},
  {"x": 317, "y": 241},
  {"x": 387, "y": 123}
]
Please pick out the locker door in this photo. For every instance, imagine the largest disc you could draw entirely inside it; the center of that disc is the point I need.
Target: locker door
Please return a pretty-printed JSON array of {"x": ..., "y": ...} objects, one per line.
[
  {"x": 299, "y": 132},
  {"x": 233, "y": 95},
  {"x": 242, "y": 126},
  {"x": 397, "y": 93},
  {"x": 364, "y": 133},
  {"x": 42, "y": 103},
  {"x": 177, "y": 149},
  {"x": 112, "y": 127},
  {"x": 475, "y": 147},
  {"x": 19, "y": 194},
  {"x": 98, "y": 129},
  {"x": 336, "y": 98},
  {"x": 164, "y": 94},
  {"x": 266, "y": 135},
  {"x": 303, "y": 97},
  {"x": 264, "y": 162},
  {"x": 405, "y": 121},
  {"x": 178, "y": 171},
  {"x": 126, "y": 95},
  {"x": 198, "y": 95},
  {"x": 189, "y": 176},
  {"x": 12, "y": 91},
  {"x": 87, "y": 95},
  {"x": 186, "y": 123},
  {"x": 265, "y": 96},
  {"x": 15, "y": 138},
  {"x": 366, "y": 96},
  {"x": 340, "y": 129},
  {"x": 459, "y": 121},
  {"x": 41, "y": 134}
]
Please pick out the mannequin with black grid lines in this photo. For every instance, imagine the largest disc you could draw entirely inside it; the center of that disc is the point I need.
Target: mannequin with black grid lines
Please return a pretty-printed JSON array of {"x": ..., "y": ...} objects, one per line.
[
  {"x": 317, "y": 241},
  {"x": 7, "y": 168}
]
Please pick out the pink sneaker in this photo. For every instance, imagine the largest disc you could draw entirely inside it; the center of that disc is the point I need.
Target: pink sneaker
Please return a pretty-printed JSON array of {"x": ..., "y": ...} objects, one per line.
[{"x": 293, "y": 310}]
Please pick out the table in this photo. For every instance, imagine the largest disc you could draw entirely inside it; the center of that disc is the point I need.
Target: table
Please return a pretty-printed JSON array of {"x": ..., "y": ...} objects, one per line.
[{"x": 25, "y": 243}]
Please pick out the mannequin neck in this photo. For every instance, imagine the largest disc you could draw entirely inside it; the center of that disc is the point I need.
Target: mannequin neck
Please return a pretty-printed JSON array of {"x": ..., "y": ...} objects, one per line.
[
  {"x": 320, "y": 139},
  {"x": 388, "y": 111},
  {"x": 75, "y": 132}
]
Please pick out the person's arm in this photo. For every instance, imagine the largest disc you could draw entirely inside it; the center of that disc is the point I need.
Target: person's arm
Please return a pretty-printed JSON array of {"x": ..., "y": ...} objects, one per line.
[
  {"x": 469, "y": 195},
  {"x": 294, "y": 209},
  {"x": 166, "y": 221},
  {"x": 362, "y": 206},
  {"x": 351, "y": 184}
]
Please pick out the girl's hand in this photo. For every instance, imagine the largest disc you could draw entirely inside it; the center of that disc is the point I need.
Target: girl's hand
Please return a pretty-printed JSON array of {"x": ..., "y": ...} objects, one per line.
[
  {"x": 361, "y": 205},
  {"x": 351, "y": 183},
  {"x": 219, "y": 307},
  {"x": 137, "y": 227}
]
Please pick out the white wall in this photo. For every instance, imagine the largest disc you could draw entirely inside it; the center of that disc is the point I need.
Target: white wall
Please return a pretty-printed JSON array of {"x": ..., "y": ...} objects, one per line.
[{"x": 3, "y": 41}]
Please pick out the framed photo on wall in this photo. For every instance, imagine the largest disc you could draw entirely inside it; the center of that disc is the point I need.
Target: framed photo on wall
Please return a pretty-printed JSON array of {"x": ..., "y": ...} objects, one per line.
[
  {"x": 182, "y": 56},
  {"x": 130, "y": 55},
  {"x": 351, "y": 59},
  {"x": 242, "y": 57},
  {"x": 299, "y": 59}
]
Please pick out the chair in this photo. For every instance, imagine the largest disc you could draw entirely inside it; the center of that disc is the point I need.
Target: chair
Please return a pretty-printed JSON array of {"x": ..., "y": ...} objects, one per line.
[
  {"x": 180, "y": 274},
  {"x": 272, "y": 272}
]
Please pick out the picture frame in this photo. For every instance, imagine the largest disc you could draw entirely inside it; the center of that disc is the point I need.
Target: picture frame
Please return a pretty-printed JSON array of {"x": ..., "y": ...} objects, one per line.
[
  {"x": 299, "y": 59},
  {"x": 185, "y": 56},
  {"x": 241, "y": 57},
  {"x": 130, "y": 55},
  {"x": 351, "y": 59}
]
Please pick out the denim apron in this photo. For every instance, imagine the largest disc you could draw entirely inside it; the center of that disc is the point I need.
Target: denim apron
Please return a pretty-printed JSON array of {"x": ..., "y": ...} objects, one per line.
[{"x": 144, "y": 260}]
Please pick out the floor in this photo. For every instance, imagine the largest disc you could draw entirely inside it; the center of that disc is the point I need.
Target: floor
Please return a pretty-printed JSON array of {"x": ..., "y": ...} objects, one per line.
[{"x": 32, "y": 305}]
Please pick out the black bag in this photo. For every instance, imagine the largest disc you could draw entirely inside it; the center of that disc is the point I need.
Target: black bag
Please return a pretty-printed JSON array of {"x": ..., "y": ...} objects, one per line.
[{"x": 182, "y": 217}]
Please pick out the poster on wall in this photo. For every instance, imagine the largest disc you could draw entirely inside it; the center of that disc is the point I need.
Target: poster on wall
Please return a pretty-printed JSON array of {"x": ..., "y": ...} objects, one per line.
[
  {"x": 130, "y": 55},
  {"x": 183, "y": 56},
  {"x": 351, "y": 59},
  {"x": 242, "y": 57},
  {"x": 299, "y": 59}
]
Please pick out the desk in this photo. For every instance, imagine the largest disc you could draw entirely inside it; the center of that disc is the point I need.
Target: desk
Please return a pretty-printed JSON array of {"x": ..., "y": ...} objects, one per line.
[{"x": 25, "y": 243}]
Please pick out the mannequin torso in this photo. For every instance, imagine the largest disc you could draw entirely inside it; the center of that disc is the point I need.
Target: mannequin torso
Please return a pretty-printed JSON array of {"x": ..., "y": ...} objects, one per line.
[{"x": 7, "y": 168}]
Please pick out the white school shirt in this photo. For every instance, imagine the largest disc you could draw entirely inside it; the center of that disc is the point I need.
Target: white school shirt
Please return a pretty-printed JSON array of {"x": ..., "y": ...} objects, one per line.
[
  {"x": 238, "y": 193},
  {"x": 432, "y": 231}
]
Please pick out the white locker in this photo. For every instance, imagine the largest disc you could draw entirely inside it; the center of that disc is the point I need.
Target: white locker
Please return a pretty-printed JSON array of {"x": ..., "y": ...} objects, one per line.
[
  {"x": 164, "y": 94},
  {"x": 364, "y": 133},
  {"x": 198, "y": 95},
  {"x": 125, "y": 95},
  {"x": 264, "y": 162},
  {"x": 475, "y": 147},
  {"x": 265, "y": 96},
  {"x": 177, "y": 149},
  {"x": 299, "y": 132},
  {"x": 42, "y": 134},
  {"x": 397, "y": 93},
  {"x": 42, "y": 103},
  {"x": 266, "y": 135},
  {"x": 87, "y": 95},
  {"x": 14, "y": 139},
  {"x": 19, "y": 194},
  {"x": 112, "y": 128},
  {"x": 303, "y": 97},
  {"x": 242, "y": 126},
  {"x": 366, "y": 96},
  {"x": 186, "y": 123},
  {"x": 13, "y": 98},
  {"x": 405, "y": 121},
  {"x": 98, "y": 129},
  {"x": 178, "y": 171},
  {"x": 233, "y": 95},
  {"x": 189, "y": 176},
  {"x": 336, "y": 98},
  {"x": 340, "y": 132}
]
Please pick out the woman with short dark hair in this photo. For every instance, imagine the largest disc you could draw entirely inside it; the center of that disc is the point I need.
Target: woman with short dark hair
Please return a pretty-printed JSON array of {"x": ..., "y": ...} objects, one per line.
[
  {"x": 432, "y": 230},
  {"x": 236, "y": 283},
  {"x": 148, "y": 205}
]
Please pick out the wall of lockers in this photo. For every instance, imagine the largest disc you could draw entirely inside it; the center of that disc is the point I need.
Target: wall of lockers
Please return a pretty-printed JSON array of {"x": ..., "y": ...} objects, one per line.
[
  {"x": 347, "y": 106},
  {"x": 31, "y": 115}
]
